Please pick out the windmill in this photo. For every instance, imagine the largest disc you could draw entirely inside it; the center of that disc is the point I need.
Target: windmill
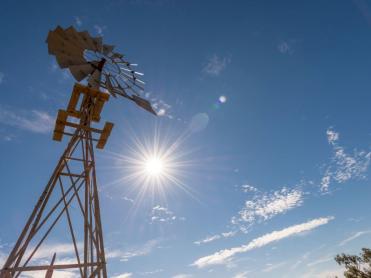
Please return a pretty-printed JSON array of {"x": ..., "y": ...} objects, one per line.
[{"x": 71, "y": 195}]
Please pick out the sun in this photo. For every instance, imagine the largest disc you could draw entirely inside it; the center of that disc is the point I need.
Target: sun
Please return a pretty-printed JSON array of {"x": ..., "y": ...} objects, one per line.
[
  {"x": 153, "y": 163},
  {"x": 154, "y": 166}
]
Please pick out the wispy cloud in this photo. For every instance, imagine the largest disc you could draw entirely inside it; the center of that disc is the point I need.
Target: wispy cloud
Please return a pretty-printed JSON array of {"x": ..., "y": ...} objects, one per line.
[
  {"x": 182, "y": 276},
  {"x": 242, "y": 274},
  {"x": 265, "y": 206},
  {"x": 65, "y": 255},
  {"x": 207, "y": 239},
  {"x": 320, "y": 261},
  {"x": 138, "y": 251},
  {"x": 224, "y": 256},
  {"x": 78, "y": 21},
  {"x": 248, "y": 188},
  {"x": 35, "y": 120},
  {"x": 163, "y": 214},
  {"x": 354, "y": 236},
  {"x": 1, "y": 77},
  {"x": 151, "y": 272},
  {"x": 161, "y": 107},
  {"x": 3, "y": 257},
  {"x": 286, "y": 46},
  {"x": 215, "y": 65},
  {"x": 100, "y": 29},
  {"x": 124, "y": 275},
  {"x": 127, "y": 199},
  {"x": 215, "y": 237},
  {"x": 46, "y": 251},
  {"x": 343, "y": 167},
  {"x": 271, "y": 267},
  {"x": 327, "y": 273}
]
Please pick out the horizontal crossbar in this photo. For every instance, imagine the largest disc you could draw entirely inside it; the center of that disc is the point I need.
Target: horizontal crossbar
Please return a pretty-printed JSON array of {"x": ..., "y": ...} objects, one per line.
[{"x": 47, "y": 267}]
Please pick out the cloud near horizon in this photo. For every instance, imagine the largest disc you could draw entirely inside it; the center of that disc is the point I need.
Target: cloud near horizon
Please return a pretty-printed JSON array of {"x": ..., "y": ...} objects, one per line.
[{"x": 226, "y": 255}]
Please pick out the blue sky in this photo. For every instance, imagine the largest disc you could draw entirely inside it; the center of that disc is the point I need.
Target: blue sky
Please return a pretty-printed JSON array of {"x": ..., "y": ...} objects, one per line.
[{"x": 268, "y": 101}]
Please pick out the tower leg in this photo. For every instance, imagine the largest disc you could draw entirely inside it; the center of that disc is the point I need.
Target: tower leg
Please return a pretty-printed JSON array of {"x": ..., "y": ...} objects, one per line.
[{"x": 48, "y": 212}]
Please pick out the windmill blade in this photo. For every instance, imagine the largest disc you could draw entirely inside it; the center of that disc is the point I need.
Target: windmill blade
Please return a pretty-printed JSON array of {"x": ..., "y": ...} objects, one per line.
[
  {"x": 117, "y": 55},
  {"x": 69, "y": 46},
  {"x": 56, "y": 43},
  {"x": 118, "y": 89},
  {"x": 126, "y": 63},
  {"x": 65, "y": 60},
  {"x": 97, "y": 43},
  {"x": 145, "y": 104},
  {"x": 132, "y": 71},
  {"x": 79, "y": 72},
  {"x": 133, "y": 82},
  {"x": 76, "y": 37},
  {"x": 138, "y": 73},
  {"x": 88, "y": 40},
  {"x": 59, "y": 31},
  {"x": 130, "y": 81},
  {"x": 140, "y": 81},
  {"x": 109, "y": 85},
  {"x": 107, "y": 49}
]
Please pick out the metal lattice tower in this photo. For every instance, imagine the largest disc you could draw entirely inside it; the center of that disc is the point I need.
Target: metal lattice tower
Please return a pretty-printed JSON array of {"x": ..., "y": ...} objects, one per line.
[{"x": 71, "y": 195}]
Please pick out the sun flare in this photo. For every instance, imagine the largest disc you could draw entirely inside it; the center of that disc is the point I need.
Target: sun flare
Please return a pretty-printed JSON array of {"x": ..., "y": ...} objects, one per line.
[{"x": 154, "y": 166}]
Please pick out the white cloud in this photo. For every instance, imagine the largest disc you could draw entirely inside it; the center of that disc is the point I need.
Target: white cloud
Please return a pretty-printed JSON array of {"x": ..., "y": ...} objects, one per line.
[
  {"x": 332, "y": 136},
  {"x": 325, "y": 182},
  {"x": 328, "y": 273},
  {"x": 265, "y": 206},
  {"x": 45, "y": 253},
  {"x": 1, "y": 77},
  {"x": 127, "y": 199},
  {"x": 78, "y": 21},
  {"x": 271, "y": 267},
  {"x": 224, "y": 256},
  {"x": 3, "y": 258},
  {"x": 207, "y": 239},
  {"x": 216, "y": 65},
  {"x": 47, "y": 250},
  {"x": 354, "y": 236},
  {"x": 161, "y": 214},
  {"x": 229, "y": 234},
  {"x": 215, "y": 237},
  {"x": 161, "y": 107},
  {"x": 138, "y": 251},
  {"x": 286, "y": 46},
  {"x": 320, "y": 261},
  {"x": 344, "y": 167},
  {"x": 242, "y": 274},
  {"x": 34, "y": 120},
  {"x": 99, "y": 29},
  {"x": 182, "y": 276},
  {"x": 248, "y": 188},
  {"x": 124, "y": 275},
  {"x": 151, "y": 272}
]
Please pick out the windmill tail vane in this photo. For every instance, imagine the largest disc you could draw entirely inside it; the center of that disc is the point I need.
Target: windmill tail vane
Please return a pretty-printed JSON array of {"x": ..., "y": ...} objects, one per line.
[{"x": 69, "y": 205}]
